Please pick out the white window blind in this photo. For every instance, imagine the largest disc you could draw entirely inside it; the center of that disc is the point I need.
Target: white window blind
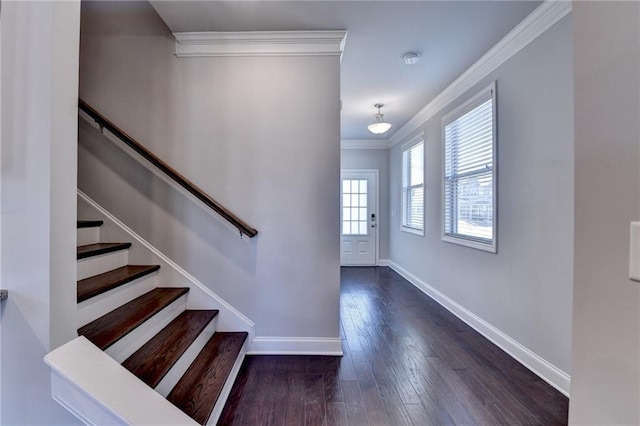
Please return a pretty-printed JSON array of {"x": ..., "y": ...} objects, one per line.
[
  {"x": 413, "y": 188},
  {"x": 469, "y": 173}
]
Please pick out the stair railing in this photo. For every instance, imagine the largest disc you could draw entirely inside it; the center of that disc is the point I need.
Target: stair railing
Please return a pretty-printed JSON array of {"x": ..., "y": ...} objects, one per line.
[{"x": 167, "y": 170}]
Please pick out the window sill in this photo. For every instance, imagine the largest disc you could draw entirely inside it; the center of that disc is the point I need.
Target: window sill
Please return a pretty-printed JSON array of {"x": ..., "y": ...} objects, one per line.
[
  {"x": 412, "y": 231},
  {"x": 488, "y": 247}
]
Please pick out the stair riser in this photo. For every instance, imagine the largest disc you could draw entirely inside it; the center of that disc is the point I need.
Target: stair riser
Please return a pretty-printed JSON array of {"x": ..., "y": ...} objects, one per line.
[
  {"x": 179, "y": 368},
  {"x": 228, "y": 385},
  {"x": 133, "y": 341},
  {"x": 88, "y": 236},
  {"x": 103, "y": 263},
  {"x": 101, "y": 304}
]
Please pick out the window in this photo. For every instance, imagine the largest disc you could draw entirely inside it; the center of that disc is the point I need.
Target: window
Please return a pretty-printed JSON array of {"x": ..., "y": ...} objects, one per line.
[
  {"x": 470, "y": 173},
  {"x": 413, "y": 187},
  {"x": 354, "y": 207}
]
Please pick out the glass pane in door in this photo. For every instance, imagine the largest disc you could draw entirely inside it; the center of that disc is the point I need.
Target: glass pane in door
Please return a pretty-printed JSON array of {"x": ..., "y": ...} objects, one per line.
[{"x": 354, "y": 207}]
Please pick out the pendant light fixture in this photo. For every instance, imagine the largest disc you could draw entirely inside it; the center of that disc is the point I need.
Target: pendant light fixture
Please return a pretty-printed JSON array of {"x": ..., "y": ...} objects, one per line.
[{"x": 379, "y": 126}]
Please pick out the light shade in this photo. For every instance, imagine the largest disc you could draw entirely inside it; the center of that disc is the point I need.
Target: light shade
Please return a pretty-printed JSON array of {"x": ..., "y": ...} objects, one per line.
[{"x": 379, "y": 126}]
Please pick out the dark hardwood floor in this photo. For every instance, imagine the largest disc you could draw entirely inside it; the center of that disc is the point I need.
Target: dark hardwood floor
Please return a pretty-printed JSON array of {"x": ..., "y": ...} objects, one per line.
[{"x": 407, "y": 361}]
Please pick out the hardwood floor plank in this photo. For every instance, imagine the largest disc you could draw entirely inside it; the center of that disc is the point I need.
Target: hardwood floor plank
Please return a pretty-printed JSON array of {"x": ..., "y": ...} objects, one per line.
[
  {"x": 198, "y": 389},
  {"x": 376, "y": 411},
  {"x": 315, "y": 413},
  {"x": 89, "y": 250},
  {"x": 407, "y": 361},
  {"x": 154, "y": 359},
  {"x": 486, "y": 398},
  {"x": 314, "y": 364},
  {"x": 337, "y": 414},
  {"x": 425, "y": 414},
  {"x": 507, "y": 389},
  {"x": 232, "y": 412},
  {"x": 522, "y": 383},
  {"x": 330, "y": 372},
  {"x": 276, "y": 401},
  {"x": 392, "y": 402},
  {"x": 98, "y": 284},
  {"x": 88, "y": 223},
  {"x": 356, "y": 412},
  {"x": 108, "y": 329},
  {"x": 346, "y": 371},
  {"x": 295, "y": 404}
]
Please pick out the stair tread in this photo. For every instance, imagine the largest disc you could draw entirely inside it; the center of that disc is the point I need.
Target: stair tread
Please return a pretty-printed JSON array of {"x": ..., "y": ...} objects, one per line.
[
  {"x": 199, "y": 388},
  {"x": 153, "y": 360},
  {"x": 98, "y": 284},
  {"x": 100, "y": 248},
  {"x": 108, "y": 329},
  {"x": 89, "y": 223}
]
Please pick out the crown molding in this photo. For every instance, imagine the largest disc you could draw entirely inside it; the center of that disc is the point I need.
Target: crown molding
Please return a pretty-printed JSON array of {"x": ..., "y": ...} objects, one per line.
[
  {"x": 364, "y": 143},
  {"x": 260, "y": 43},
  {"x": 535, "y": 24}
]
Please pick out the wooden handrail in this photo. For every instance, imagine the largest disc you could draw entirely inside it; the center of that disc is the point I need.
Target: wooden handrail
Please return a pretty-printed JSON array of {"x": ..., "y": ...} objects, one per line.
[{"x": 243, "y": 227}]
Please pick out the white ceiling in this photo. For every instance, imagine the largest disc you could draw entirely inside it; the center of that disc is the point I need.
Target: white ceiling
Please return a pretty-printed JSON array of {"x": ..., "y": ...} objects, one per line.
[{"x": 450, "y": 35}]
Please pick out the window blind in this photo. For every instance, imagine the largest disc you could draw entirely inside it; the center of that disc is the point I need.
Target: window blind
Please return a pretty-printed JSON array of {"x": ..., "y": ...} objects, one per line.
[
  {"x": 413, "y": 187},
  {"x": 469, "y": 172}
]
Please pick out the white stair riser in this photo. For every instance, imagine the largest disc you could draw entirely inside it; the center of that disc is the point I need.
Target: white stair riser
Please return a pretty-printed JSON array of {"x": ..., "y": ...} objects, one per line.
[
  {"x": 97, "y": 265},
  {"x": 104, "y": 303},
  {"x": 228, "y": 385},
  {"x": 133, "y": 341},
  {"x": 181, "y": 366},
  {"x": 88, "y": 235}
]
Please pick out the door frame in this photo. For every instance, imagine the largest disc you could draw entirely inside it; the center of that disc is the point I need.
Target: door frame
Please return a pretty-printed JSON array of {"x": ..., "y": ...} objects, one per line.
[{"x": 376, "y": 172}]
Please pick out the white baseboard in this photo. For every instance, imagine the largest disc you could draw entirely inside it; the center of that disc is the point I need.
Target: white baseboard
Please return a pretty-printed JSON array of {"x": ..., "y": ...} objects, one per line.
[
  {"x": 384, "y": 262},
  {"x": 296, "y": 346},
  {"x": 538, "y": 365}
]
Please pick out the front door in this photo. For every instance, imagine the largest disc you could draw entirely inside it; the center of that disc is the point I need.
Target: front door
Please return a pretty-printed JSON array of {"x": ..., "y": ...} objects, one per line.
[{"x": 359, "y": 218}]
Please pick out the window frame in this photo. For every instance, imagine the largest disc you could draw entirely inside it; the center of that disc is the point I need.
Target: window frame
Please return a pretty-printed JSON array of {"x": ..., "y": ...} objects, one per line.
[
  {"x": 475, "y": 101},
  {"x": 404, "y": 148}
]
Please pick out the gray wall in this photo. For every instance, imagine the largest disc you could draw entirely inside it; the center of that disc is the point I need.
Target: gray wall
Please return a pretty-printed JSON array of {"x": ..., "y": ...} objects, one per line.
[
  {"x": 38, "y": 199},
  {"x": 377, "y": 159},
  {"x": 605, "y": 387},
  {"x": 525, "y": 290},
  {"x": 244, "y": 130}
]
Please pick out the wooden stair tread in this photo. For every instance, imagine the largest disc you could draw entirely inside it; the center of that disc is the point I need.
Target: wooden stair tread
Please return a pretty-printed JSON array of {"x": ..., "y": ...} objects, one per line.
[
  {"x": 89, "y": 223},
  {"x": 100, "y": 248},
  {"x": 199, "y": 388},
  {"x": 108, "y": 329},
  {"x": 98, "y": 284},
  {"x": 152, "y": 361}
]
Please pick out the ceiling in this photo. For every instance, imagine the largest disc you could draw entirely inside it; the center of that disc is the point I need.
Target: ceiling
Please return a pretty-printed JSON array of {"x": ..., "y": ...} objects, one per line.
[{"x": 450, "y": 35}]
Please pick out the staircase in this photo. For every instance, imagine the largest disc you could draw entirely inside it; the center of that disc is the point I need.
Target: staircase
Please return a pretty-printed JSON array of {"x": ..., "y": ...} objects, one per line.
[{"x": 148, "y": 329}]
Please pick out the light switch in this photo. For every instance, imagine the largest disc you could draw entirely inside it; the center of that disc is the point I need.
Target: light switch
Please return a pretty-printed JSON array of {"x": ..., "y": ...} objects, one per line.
[{"x": 634, "y": 251}]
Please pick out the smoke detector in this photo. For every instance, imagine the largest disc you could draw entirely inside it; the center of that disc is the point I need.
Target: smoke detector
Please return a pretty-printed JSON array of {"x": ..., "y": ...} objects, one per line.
[{"x": 411, "y": 58}]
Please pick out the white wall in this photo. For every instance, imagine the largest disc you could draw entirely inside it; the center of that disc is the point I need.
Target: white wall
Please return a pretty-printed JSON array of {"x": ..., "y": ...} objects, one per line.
[
  {"x": 525, "y": 290},
  {"x": 377, "y": 159},
  {"x": 605, "y": 386},
  {"x": 243, "y": 129},
  {"x": 38, "y": 181}
]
